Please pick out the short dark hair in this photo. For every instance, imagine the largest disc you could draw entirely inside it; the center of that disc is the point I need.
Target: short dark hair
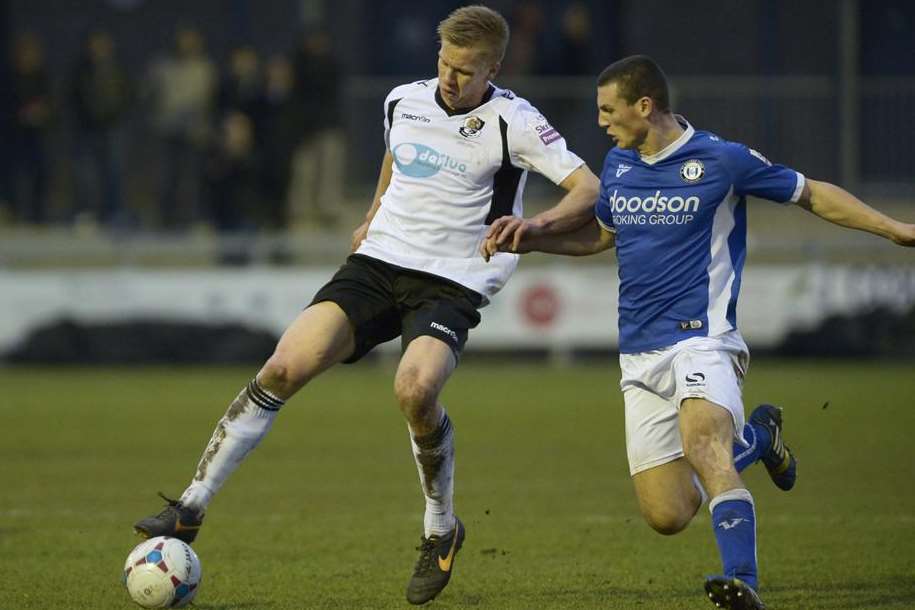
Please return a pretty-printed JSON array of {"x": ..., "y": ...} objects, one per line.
[{"x": 638, "y": 76}]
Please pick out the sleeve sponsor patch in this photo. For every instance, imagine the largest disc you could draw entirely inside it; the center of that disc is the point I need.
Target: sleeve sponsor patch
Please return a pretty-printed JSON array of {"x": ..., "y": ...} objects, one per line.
[{"x": 546, "y": 132}]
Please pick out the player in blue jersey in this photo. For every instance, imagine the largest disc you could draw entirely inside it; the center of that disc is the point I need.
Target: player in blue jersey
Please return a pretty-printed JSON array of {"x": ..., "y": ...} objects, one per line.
[{"x": 673, "y": 203}]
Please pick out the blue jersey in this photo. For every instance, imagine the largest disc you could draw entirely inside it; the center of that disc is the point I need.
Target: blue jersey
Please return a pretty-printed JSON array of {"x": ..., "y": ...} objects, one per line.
[{"x": 681, "y": 227}]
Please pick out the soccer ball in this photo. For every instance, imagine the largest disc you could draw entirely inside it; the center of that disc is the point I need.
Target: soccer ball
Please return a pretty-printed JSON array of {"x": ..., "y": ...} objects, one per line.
[{"x": 162, "y": 572}]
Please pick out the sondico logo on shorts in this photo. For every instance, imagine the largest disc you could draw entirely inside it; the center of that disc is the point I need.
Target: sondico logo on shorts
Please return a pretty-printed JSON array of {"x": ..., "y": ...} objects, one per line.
[
  {"x": 656, "y": 209},
  {"x": 420, "y": 161},
  {"x": 444, "y": 329},
  {"x": 695, "y": 380}
]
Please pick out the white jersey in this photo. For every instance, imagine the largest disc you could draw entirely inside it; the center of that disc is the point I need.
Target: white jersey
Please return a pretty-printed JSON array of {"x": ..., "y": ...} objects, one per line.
[{"x": 454, "y": 173}]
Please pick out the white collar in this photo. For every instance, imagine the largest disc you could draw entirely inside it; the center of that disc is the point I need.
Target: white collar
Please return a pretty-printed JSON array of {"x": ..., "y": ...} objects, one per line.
[{"x": 674, "y": 146}]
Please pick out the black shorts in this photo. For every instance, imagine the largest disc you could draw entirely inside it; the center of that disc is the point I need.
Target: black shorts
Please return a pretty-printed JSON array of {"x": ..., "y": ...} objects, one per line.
[{"x": 384, "y": 301}]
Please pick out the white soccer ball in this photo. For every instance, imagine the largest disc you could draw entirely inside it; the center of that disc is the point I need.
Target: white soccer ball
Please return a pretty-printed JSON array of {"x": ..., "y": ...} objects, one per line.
[{"x": 162, "y": 572}]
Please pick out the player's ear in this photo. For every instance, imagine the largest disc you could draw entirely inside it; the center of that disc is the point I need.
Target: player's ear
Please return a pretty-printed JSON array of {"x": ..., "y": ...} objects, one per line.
[
  {"x": 645, "y": 106},
  {"x": 493, "y": 70}
]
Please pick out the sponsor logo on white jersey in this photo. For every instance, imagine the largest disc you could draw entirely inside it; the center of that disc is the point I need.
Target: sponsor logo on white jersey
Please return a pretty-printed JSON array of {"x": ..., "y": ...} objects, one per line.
[
  {"x": 622, "y": 169},
  {"x": 421, "y": 161},
  {"x": 544, "y": 130}
]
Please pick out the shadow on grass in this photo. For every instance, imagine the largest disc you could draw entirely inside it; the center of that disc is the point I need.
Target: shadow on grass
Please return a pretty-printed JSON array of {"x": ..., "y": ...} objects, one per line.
[
  {"x": 598, "y": 596},
  {"x": 885, "y": 592},
  {"x": 232, "y": 606}
]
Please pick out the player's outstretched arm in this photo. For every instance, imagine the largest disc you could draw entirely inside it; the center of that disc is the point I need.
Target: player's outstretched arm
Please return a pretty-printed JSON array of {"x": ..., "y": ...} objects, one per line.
[
  {"x": 574, "y": 210},
  {"x": 384, "y": 179},
  {"x": 588, "y": 239},
  {"x": 840, "y": 207}
]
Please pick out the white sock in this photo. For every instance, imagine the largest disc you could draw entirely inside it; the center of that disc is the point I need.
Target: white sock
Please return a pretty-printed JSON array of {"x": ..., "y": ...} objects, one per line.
[
  {"x": 434, "y": 455},
  {"x": 246, "y": 422}
]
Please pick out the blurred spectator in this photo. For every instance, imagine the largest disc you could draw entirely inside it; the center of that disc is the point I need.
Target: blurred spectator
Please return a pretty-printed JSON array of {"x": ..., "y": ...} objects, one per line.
[
  {"x": 233, "y": 184},
  {"x": 281, "y": 131},
  {"x": 316, "y": 190},
  {"x": 523, "y": 55},
  {"x": 575, "y": 44},
  {"x": 101, "y": 95},
  {"x": 183, "y": 91},
  {"x": 241, "y": 87},
  {"x": 30, "y": 122}
]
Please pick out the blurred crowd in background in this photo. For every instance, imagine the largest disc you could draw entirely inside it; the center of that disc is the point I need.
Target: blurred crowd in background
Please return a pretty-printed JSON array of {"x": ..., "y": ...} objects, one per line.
[
  {"x": 237, "y": 141},
  {"x": 253, "y": 141}
]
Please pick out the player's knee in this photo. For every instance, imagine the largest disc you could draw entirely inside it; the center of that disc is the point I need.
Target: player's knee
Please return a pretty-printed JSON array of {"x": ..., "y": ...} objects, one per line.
[
  {"x": 281, "y": 374},
  {"x": 414, "y": 394},
  {"x": 668, "y": 520}
]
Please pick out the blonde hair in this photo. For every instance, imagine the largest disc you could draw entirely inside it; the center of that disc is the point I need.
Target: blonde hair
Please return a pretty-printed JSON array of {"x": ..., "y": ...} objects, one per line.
[{"x": 475, "y": 26}]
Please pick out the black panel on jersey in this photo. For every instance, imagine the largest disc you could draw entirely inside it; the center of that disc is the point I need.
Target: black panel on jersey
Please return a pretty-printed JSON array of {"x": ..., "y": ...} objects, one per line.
[
  {"x": 391, "y": 111},
  {"x": 505, "y": 182}
]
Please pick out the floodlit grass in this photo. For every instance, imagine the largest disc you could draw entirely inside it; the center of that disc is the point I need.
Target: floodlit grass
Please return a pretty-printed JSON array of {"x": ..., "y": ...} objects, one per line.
[{"x": 327, "y": 512}]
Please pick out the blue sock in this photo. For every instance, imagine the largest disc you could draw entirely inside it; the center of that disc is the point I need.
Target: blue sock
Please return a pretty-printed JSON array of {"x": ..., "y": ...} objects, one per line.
[
  {"x": 734, "y": 520},
  {"x": 758, "y": 439}
]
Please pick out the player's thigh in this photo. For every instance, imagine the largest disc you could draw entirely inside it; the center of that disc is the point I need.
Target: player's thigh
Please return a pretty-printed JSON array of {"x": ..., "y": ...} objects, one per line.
[
  {"x": 425, "y": 366},
  {"x": 363, "y": 289},
  {"x": 668, "y": 498},
  {"x": 320, "y": 337}
]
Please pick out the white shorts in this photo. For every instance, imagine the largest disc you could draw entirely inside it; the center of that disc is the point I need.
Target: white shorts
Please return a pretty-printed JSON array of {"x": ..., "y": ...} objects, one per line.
[{"x": 655, "y": 383}]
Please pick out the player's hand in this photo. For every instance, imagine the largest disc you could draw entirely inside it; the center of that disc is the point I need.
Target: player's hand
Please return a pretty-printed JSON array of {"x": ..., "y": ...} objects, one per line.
[
  {"x": 506, "y": 234},
  {"x": 498, "y": 235},
  {"x": 359, "y": 235},
  {"x": 905, "y": 235}
]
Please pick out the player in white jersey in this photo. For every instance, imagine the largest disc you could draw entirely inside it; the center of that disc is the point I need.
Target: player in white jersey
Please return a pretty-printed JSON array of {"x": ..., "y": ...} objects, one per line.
[
  {"x": 458, "y": 151},
  {"x": 672, "y": 202}
]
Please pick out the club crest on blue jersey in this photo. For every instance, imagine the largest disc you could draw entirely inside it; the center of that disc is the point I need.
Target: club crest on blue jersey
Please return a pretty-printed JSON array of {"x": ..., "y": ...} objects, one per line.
[
  {"x": 692, "y": 170},
  {"x": 472, "y": 127}
]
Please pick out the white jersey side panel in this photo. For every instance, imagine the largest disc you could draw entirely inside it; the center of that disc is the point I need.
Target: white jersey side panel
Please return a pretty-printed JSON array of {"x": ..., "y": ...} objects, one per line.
[{"x": 453, "y": 175}]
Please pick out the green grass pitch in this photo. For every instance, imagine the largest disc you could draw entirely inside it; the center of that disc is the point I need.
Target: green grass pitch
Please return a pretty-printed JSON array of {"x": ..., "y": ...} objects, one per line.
[{"x": 327, "y": 512}]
